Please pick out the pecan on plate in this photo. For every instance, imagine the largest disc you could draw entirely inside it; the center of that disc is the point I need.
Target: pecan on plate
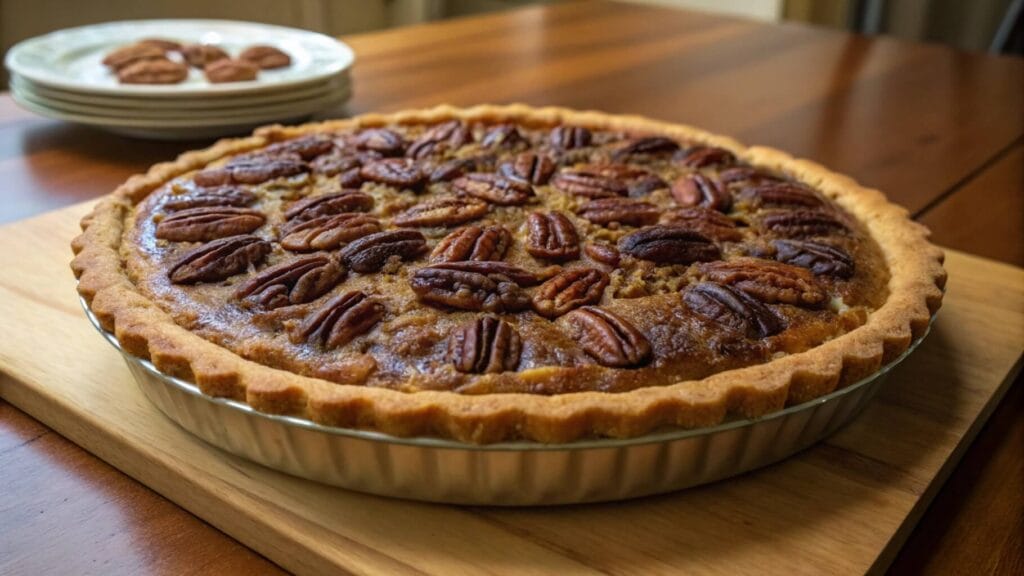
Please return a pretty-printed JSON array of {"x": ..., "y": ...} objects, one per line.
[
  {"x": 153, "y": 72},
  {"x": 732, "y": 309},
  {"x": 339, "y": 321},
  {"x": 327, "y": 232},
  {"x": 569, "y": 289},
  {"x": 442, "y": 211},
  {"x": 202, "y": 55},
  {"x": 493, "y": 188},
  {"x": 208, "y": 223},
  {"x": 605, "y": 211},
  {"x": 769, "y": 281},
  {"x": 228, "y": 70},
  {"x": 698, "y": 190},
  {"x": 219, "y": 259},
  {"x": 132, "y": 53},
  {"x": 294, "y": 281},
  {"x": 371, "y": 253},
  {"x": 266, "y": 57},
  {"x": 820, "y": 259},
  {"x": 669, "y": 245},
  {"x": 485, "y": 345},
  {"x": 608, "y": 338},
  {"x": 552, "y": 236},
  {"x": 473, "y": 243}
]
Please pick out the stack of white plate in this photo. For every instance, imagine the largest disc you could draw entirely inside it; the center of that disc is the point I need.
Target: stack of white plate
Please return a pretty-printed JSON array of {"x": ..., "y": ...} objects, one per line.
[{"x": 61, "y": 75}]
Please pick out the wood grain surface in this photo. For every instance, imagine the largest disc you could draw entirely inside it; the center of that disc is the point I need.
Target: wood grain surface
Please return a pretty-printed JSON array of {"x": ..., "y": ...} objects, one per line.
[{"x": 927, "y": 125}]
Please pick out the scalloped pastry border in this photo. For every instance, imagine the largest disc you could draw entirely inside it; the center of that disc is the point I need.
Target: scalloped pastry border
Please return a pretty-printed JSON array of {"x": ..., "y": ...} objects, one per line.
[{"x": 146, "y": 331}]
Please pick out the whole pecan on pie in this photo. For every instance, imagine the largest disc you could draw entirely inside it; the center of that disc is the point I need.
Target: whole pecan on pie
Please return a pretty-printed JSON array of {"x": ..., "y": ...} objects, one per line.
[
  {"x": 339, "y": 321},
  {"x": 552, "y": 236},
  {"x": 608, "y": 338},
  {"x": 478, "y": 286},
  {"x": 255, "y": 171},
  {"x": 569, "y": 289},
  {"x": 705, "y": 221},
  {"x": 327, "y": 232},
  {"x": 206, "y": 197},
  {"x": 294, "y": 281},
  {"x": 733, "y": 309},
  {"x": 494, "y": 189},
  {"x": 669, "y": 245},
  {"x": 439, "y": 138},
  {"x": 485, "y": 345},
  {"x": 606, "y": 211},
  {"x": 442, "y": 211},
  {"x": 768, "y": 281},
  {"x": 208, "y": 223},
  {"x": 219, "y": 259},
  {"x": 698, "y": 190},
  {"x": 820, "y": 259},
  {"x": 473, "y": 243},
  {"x": 370, "y": 253}
]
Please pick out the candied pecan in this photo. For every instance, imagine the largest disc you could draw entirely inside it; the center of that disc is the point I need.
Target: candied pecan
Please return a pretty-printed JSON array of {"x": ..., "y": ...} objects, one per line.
[
  {"x": 603, "y": 253},
  {"x": 437, "y": 139},
  {"x": 669, "y": 245},
  {"x": 625, "y": 211},
  {"x": 502, "y": 136},
  {"x": 370, "y": 253},
  {"x": 569, "y": 289},
  {"x": 746, "y": 174},
  {"x": 327, "y": 204},
  {"x": 768, "y": 281},
  {"x": 153, "y": 72},
  {"x": 266, "y": 57},
  {"x": 351, "y": 178},
  {"x": 710, "y": 223},
  {"x": 698, "y": 190},
  {"x": 473, "y": 243},
  {"x": 821, "y": 259},
  {"x": 520, "y": 276},
  {"x": 704, "y": 156},
  {"x": 609, "y": 338},
  {"x": 398, "y": 172},
  {"x": 442, "y": 211},
  {"x": 335, "y": 163},
  {"x": 780, "y": 195},
  {"x": 732, "y": 309},
  {"x": 800, "y": 223},
  {"x": 589, "y": 183},
  {"x": 570, "y": 137},
  {"x": 294, "y": 281},
  {"x": 205, "y": 197},
  {"x": 339, "y": 321},
  {"x": 383, "y": 140},
  {"x": 485, "y": 345},
  {"x": 162, "y": 43},
  {"x": 229, "y": 70},
  {"x": 327, "y": 232},
  {"x": 493, "y": 189},
  {"x": 208, "y": 223},
  {"x": 552, "y": 236},
  {"x": 255, "y": 171},
  {"x": 452, "y": 169},
  {"x": 219, "y": 259},
  {"x": 476, "y": 288},
  {"x": 645, "y": 184},
  {"x": 305, "y": 147},
  {"x": 201, "y": 55},
  {"x": 645, "y": 145},
  {"x": 127, "y": 55},
  {"x": 529, "y": 168}
]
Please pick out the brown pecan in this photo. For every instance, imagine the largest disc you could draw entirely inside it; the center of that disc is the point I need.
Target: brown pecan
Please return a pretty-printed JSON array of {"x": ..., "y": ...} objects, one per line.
[
  {"x": 698, "y": 190},
  {"x": 569, "y": 289},
  {"x": 552, "y": 236},
  {"x": 637, "y": 181},
  {"x": 250, "y": 172},
  {"x": 473, "y": 243},
  {"x": 328, "y": 204},
  {"x": 153, "y": 72},
  {"x": 327, "y": 232},
  {"x": 589, "y": 183},
  {"x": 768, "y": 281},
  {"x": 609, "y": 338},
  {"x": 437, "y": 139},
  {"x": 452, "y": 169},
  {"x": 801, "y": 223},
  {"x": 570, "y": 137},
  {"x": 371, "y": 253},
  {"x": 397, "y": 172},
  {"x": 229, "y": 70},
  {"x": 442, "y": 211},
  {"x": 266, "y": 57},
  {"x": 339, "y": 321},
  {"x": 603, "y": 253},
  {"x": 162, "y": 43},
  {"x": 605, "y": 211},
  {"x": 351, "y": 178},
  {"x": 704, "y": 156},
  {"x": 529, "y": 168},
  {"x": 669, "y": 245},
  {"x": 710, "y": 223},
  {"x": 748, "y": 174},
  {"x": 821, "y": 259},
  {"x": 219, "y": 259},
  {"x": 644, "y": 185},
  {"x": 493, "y": 189},
  {"x": 477, "y": 287},
  {"x": 294, "y": 281},
  {"x": 200, "y": 55},
  {"x": 127, "y": 55},
  {"x": 208, "y": 223},
  {"x": 502, "y": 136},
  {"x": 335, "y": 163},
  {"x": 306, "y": 147},
  {"x": 732, "y": 309},
  {"x": 206, "y": 197},
  {"x": 520, "y": 276},
  {"x": 485, "y": 345},
  {"x": 383, "y": 140},
  {"x": 780, "y": 195},
  {"x": 645, "y": 145}
]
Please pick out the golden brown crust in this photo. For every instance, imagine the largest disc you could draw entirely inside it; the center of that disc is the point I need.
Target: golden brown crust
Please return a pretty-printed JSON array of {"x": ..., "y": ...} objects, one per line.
[{"x": 144, "y": 330}]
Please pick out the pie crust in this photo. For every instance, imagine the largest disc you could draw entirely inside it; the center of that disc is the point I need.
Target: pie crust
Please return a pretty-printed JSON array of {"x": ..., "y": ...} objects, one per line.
[{"x": 144, "y": 329}]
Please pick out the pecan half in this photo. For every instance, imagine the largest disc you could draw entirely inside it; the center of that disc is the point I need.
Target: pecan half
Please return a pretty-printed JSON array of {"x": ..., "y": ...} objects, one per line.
[
  {"x": 329, "y": 204},
  {"x": 127, "y": 55},
  {"x": 351, "y": 178},
  {"x": 698, "y": 190},
  {"x": 502, "y": 136},
  {"x": 397, "y": 172},
  {"x": 768, "y": 281},
  {"x": 336, "y": 163},
  {"x": 821, "y": 259},
  {"x": 749, "y": 174},
  {"x": 485, "y": 345},
  {"x": 605, "y": 211},
  {"x": 473, "y": 243},
  {"x": 219, "y": 259},
  {"x": 250, "y": 172},
  {"x": 704, "y": 156},
  {"x": 371, "y": 253},
  {"x": 200, "y": 55},
  {"x": 294, "y": 281},
  {"x": 569, "y": 289},
  {"x": 780, "y": 195},
  {"x": 710, "y": 223},
  {"x": 163, "y": 44},
  {"x": 520, "y": 276},
  {"x": 230, "y": 70},
  {"x": 603, "y": 253},
  {"x": 452, "y": 169},
  {"x": 153, "y": 72},
  {"x": 442, "y": 211},
  {"x": 266, "y": 57},
  {"x": 609, "y": 338},
  {"x": 327, "y": 232},
  {"x": 669, "y": 245},
  {"x": 732, "y": 309},
  {"x": 646, "y": 145},
  {"x": 468, "y": 288},
  {"x": 305, "y": 147},
  {"x": 552, "y": 236},
  {"x": 529, "y": 168},
  {"x": 570, "y": 137},
  {"x": 589, "y": 183},
  {"x": 644, "y": 185},
  {"x": 339, "y": 321},
  {"x": 493, "y": 188},
  {"x": 206, "y": 197},
  {"x": 208, "y": 223},
  {"x": 383, "y": 140},
  {"x": 801, "y": 223},
  {"x": 437, "y": 139}
]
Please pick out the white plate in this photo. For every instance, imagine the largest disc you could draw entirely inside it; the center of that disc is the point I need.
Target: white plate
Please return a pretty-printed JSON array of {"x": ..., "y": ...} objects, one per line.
[{"x": 71, "y": 58}]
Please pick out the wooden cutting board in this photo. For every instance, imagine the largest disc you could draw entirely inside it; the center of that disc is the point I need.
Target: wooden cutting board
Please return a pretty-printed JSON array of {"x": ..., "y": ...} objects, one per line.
[{"x": 844, "y": 506}]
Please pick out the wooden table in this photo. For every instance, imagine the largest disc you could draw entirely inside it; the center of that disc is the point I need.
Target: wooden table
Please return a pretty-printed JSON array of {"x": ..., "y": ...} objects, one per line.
[{"x": 939, "y": 131}]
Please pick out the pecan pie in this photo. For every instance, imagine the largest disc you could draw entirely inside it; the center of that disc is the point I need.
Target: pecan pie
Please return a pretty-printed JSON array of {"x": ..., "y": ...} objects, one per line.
[{"x": 502, "y": 273}]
